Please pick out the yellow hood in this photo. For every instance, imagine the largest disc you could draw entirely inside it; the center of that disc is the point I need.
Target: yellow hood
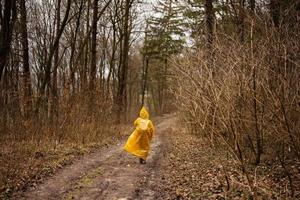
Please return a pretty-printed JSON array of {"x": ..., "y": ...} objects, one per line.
[{"x": 144, "y": 113}]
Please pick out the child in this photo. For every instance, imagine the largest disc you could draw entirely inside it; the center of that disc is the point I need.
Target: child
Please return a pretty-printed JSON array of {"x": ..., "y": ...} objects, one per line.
[{"x": 138, "y": 143}]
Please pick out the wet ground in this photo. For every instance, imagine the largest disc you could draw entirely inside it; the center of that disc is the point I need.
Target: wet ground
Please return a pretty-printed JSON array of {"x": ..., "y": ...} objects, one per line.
[{"x": 110, "y": 174}]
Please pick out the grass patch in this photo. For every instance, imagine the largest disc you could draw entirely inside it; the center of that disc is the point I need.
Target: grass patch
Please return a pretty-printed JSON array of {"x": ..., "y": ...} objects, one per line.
[{"x": 86, "y": 181}]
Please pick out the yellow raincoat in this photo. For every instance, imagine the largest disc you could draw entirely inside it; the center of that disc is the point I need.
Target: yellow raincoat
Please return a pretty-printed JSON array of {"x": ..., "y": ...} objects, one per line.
[{"x": 138, "y": 142}]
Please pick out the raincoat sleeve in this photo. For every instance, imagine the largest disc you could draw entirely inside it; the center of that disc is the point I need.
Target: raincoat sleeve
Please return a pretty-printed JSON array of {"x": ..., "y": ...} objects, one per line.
[
  {"x": 151, "y": 129},
  {"x": 135, "y": 123}
]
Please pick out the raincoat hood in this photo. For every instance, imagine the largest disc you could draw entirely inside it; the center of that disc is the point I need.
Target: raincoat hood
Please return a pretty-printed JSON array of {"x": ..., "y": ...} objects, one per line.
[{"x": 144, "y": 113}]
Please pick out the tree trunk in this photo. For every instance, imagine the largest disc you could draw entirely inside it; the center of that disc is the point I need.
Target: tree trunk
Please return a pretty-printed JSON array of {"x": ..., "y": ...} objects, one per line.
[
  {"x": 145, "y": 68},
  {"x": 144, "y": 81},
  {"x": 241, "y": 20},
  {"x": 6, "y": 30},
  {"x": 112, "y": 59},
  {"x": 25, "y": 54},
  {"x": 252, "y": 5},
  {"x": 84, "y": 51},
  {"x": 93, "y": 69},
  {"x": 73, "y": 48},
  {"x": 121, "y": 97},
  {"x": 209, "y": 13},
  {"x": 164, "y": 85},
  {"x": 8, "y": 19},
  {"x": 54, "y": 103},
  {"x": 275, "y": 12}
]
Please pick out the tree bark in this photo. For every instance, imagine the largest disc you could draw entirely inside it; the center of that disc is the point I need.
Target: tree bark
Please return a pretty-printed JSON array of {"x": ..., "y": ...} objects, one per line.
[
  {"x": 93, "y": 49},
  {"x": 145, "y": 76},
  {"x": 121, "y": 97},
  {"x": 25, "y": 55},
  {"x": 241, "y": 20},
  {"x": 54, "y": 103},
  {"x": 252, "y": 5},
  {"x": 7, "y": 23},
  {"x": 112, "y": 59},
  {"x": 209, "y": 14},
  {"x": 275, "y": 12},
  {"x": 93, "y": 69},
  {"x": 145, "y": 68},
  {"x": 73, "y": 48}
]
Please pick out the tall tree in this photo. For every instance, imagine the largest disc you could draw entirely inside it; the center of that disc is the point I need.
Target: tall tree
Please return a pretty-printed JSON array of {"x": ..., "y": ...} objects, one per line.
[
  {"x": 121, "y": 95},
  {"x": 165, "y": 37},
  {"x": 8, "y": 16},
  {"x": 74, "y": 41},
  {"x": 25, "y": 55},
  {"x": 53, "y": 48},
  {"x": 145, "y": 66},
  {"x": 93, "y": 66},
  {"x": 54, "y": 103},
  {"x": 93, "y": 69}
]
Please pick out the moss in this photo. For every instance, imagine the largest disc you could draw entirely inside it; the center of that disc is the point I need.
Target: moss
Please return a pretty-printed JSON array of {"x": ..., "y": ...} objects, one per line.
[{"x": 85, "y": 181}]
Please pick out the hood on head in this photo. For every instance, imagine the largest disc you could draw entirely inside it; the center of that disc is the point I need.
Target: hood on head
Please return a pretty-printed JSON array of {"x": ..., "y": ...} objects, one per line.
[{"x": 144, "y": 113}]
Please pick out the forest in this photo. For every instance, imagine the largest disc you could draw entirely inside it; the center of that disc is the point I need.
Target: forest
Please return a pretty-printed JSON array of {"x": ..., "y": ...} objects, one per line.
[{"x": 220, "y": 79}]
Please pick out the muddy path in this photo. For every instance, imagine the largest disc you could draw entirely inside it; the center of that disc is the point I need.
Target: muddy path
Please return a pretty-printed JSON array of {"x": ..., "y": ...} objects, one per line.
[{"x": 108, "y": 174}]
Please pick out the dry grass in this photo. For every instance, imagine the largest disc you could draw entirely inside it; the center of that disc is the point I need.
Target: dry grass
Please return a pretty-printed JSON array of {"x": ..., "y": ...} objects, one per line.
[
  {"x": 193, "y": 169},
  {"x": 32, "y": 149}
]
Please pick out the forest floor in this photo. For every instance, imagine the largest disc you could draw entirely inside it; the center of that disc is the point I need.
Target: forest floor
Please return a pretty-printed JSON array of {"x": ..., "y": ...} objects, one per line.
[{"x": 180, "y": 166}]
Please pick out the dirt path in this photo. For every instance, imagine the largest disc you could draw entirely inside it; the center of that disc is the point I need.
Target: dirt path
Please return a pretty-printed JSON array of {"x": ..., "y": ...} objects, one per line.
[{"x": 108, "y": 174}]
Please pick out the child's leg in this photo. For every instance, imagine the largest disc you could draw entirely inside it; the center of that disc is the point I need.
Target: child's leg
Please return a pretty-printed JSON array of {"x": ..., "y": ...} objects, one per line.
[{"x": 142, "y": 161}]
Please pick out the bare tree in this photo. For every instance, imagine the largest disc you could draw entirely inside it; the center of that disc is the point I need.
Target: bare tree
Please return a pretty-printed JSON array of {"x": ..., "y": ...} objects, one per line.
[{"x": 121, "y": 95}]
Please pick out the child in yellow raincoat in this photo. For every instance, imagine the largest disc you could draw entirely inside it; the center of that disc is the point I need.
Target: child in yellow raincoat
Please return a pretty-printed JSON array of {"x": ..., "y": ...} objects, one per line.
[{"x": 138, "y": 143}]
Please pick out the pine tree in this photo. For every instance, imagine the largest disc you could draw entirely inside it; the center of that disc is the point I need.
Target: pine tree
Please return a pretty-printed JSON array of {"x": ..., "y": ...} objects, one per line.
[
  {"x": 195, "y": 14},
  {"x": 165, "y": 34},
  {"x": 164, "y": 37}
]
